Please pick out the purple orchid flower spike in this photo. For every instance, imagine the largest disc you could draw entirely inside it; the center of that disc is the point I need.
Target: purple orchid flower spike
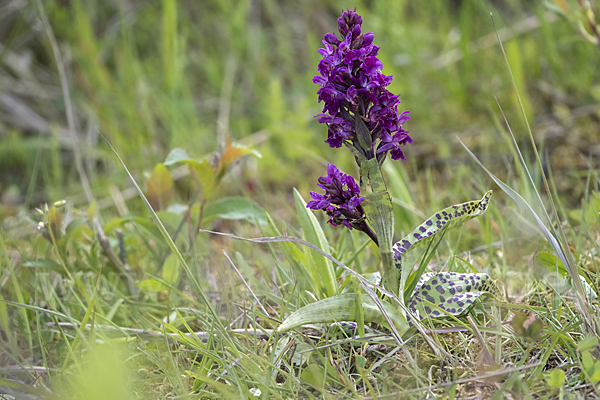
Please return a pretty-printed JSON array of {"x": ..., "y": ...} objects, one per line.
[
  {"x": 358, "y": 109},
  {"x": 341, "y": 201}
]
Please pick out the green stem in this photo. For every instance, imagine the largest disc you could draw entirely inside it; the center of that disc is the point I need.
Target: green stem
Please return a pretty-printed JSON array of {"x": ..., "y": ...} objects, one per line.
[{"x": 380, "y": 212}]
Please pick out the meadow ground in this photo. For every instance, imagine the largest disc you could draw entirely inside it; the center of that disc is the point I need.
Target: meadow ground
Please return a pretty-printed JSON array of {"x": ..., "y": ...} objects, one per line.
[{"x": 210, "y": 106}]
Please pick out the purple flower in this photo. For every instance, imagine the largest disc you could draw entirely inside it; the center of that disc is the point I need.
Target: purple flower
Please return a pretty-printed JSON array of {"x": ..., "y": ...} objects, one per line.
[
  {"x": 353, "y": 90},
  {"x": 341, "y": 201}
]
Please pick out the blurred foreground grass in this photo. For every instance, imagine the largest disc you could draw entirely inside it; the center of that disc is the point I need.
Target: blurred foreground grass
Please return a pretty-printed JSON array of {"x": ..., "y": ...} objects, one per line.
[{"x": 153, "y": 76}]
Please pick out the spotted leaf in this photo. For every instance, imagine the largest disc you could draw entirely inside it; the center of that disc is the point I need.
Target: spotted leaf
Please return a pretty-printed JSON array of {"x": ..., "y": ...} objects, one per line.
[
  {"x": 449, "y": 293},
  {"x": 409, "y": 249}
]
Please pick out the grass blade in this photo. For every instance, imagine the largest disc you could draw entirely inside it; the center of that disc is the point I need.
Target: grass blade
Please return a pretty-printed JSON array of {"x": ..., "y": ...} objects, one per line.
[
  {"x": 314, "y": 234},
  {"x": 169, "y": 240},
  {"x": 549, "y": 236}
]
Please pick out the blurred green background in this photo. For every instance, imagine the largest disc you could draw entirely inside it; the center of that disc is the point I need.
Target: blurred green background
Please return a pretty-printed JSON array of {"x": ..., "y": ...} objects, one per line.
[{"x": 154, "y": 75}]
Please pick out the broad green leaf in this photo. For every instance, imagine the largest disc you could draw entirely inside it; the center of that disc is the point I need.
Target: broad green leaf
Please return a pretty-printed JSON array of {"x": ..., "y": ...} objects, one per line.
[
  {"x": 201, "y": 170},
  {"x": 151, "y": 285},
  {"x": 556, "y": 378},
  {"x": 143, "y": 224},
  {"x": 169, "y": 218},
  {"x": 171, "y": 269},
  {"x": 360, "y": 362},
  {"x": 451, "y": 292},
  {"x": 589, "y": 213},
  {"x": 235, "y": 208},
  {"x": 552, "y": 263},
  {"x": 589, "y": 342},
  {"x": 343, "y": 307},
  {"x": 204, "y": 173},
  {"x": 115, "y": 223},
  {"x": 160, "y": 188},
  {"x": 92, "y": 210},
  {"x": 302, "y": 354},
  {"x": 595, "y": 377},
  {"x": 591, "y": 366},
  {"x": 314, "y": 375},
  {"x": 177, "y": 155},
  {"x": 313, "y": 233},
  {"x": 423, "y": 235},
  {"x": 360, "y": 315},
  {"x": 424, "y": 278},
  {"x": 178, "y": 208},
  {"x": 588, "y": 362},
  {"x": 73, "y": 225}
]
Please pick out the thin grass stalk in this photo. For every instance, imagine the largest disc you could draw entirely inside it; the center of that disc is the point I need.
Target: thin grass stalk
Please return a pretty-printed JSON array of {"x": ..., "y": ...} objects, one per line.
[
  {"x": 582, "y": 301},
  {"x": 19, "y": 294},
  {"x": 169, "y": 240}
]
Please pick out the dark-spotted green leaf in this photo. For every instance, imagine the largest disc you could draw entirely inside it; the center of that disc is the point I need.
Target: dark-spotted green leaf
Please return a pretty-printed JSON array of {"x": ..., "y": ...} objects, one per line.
[
  {"x": 450, "y": 293},
  {"x": 417, "y": 241},
  {"x": 343, "y": 307},
  {"x": 235, "y": 208}
]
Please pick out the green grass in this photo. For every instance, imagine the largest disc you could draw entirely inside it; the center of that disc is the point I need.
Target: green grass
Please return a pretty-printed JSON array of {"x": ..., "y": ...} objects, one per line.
[{"x": 154, "y": 76}]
